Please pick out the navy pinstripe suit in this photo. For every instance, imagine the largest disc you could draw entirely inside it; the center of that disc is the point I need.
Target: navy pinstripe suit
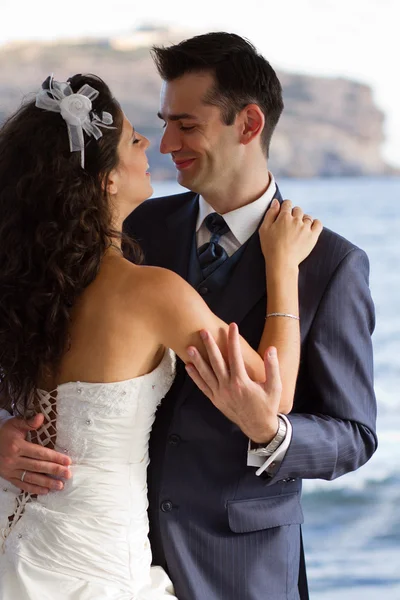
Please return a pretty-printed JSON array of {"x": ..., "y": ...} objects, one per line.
[{"x": 222, "y": 532}]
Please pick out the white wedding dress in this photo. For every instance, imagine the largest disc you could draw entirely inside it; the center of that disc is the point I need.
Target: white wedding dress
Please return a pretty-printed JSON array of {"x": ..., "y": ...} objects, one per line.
[{"x": 89, "y": 541}]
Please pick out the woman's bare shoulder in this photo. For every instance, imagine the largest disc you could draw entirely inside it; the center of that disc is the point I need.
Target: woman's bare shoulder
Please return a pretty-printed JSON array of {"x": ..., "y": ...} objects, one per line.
[{"x": 155, "y": 284}]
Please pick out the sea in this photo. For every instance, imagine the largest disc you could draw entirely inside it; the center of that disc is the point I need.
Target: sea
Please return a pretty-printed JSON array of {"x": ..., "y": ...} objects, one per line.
[{"x": 352, "y": 524}]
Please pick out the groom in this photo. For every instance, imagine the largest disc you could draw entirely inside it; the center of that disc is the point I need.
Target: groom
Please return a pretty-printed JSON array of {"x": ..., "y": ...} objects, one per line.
[
  {"x": 222, "y": 528},
  {"x": 225, "y": 513}
]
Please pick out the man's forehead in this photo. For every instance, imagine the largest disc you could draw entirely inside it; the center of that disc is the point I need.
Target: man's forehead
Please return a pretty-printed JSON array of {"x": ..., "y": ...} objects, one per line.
[{"x": 192, "y": 86}]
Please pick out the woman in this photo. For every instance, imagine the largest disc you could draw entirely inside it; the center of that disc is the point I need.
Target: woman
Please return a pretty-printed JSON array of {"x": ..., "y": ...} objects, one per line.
[{"x": 85, "y": 337}]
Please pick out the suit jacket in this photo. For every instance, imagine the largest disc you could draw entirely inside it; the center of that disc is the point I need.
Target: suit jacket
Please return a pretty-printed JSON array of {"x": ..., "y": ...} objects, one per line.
[{"x": 222, "y": 532}]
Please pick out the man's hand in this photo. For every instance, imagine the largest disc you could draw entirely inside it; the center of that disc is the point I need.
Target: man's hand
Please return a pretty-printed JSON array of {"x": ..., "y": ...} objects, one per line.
[
  {"x": 17, "y": 455},
  {"x": 252, "y": 406}
]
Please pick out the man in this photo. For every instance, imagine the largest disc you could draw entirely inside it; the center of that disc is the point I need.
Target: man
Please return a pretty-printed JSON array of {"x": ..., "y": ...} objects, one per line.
[{"x": 225, "y": 511}]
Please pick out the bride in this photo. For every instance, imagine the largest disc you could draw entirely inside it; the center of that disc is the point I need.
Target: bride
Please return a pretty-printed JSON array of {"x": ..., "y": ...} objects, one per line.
[{"x": 88, "y": 338}]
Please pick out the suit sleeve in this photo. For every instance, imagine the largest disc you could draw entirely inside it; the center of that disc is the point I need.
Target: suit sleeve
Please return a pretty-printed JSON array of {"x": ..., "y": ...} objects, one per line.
[{"x": 336, "y": 432}]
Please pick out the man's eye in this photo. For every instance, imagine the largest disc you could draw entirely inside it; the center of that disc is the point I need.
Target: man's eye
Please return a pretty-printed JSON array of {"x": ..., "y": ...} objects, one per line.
[{"x": 182, "y": 128}]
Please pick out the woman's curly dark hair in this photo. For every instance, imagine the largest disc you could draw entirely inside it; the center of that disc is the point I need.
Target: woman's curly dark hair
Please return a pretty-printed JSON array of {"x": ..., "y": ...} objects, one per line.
[{"x": 55, "y": 225}]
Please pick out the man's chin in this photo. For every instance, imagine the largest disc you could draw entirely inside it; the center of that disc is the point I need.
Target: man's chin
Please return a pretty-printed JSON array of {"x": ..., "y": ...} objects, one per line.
[{"x": 187, "y": 182}]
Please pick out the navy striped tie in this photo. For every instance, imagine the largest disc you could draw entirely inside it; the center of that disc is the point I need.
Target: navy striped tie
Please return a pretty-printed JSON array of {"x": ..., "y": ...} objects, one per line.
[{"x": 212, "y": 255}]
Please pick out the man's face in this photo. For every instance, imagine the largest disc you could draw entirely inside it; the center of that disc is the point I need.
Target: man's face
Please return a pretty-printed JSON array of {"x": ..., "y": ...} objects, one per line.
[{"x": 203, "y": 148}]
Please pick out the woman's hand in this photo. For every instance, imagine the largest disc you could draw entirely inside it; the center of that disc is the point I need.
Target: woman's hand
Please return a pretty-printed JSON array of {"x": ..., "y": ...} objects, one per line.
[
  {"x": 252, "y": 406},
  {"x": 287, "y": 235}
]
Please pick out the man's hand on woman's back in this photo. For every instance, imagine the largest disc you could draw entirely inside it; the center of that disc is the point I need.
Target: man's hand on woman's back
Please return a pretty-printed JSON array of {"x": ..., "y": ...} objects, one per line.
[{"x": 41, "y": 465}]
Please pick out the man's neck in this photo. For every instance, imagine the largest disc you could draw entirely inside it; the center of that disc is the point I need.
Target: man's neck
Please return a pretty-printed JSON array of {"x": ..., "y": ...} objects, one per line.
[{"x": 238, "y": 194}]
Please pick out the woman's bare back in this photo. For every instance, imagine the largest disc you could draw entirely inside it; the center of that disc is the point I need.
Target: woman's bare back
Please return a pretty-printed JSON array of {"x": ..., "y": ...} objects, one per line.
[{"x": 111, "y": 338}]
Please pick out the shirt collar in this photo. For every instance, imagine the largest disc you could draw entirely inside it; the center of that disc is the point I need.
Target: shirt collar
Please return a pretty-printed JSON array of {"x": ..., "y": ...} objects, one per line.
[{"x": 243, "y": 221}]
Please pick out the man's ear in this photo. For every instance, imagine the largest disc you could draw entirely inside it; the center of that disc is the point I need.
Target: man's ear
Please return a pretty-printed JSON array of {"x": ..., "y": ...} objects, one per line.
[{"x": 251, "y": 121}]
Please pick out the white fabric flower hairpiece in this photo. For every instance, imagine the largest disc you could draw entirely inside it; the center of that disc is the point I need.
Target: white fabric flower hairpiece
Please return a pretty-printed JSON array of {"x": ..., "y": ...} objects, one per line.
[{"x": 76, "y": 110}]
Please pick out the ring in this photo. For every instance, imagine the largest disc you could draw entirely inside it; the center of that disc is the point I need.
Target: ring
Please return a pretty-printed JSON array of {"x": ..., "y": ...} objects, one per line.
[{"x": 23, "y": 476}]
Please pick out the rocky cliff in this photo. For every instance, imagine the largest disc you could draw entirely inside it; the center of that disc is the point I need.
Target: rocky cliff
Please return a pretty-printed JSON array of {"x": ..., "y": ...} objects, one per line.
[{"x": 329, "y": 126}]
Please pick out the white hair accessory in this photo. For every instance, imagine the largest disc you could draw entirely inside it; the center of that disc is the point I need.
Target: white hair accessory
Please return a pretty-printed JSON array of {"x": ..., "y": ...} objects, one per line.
[{"x": 76, "y": 110}]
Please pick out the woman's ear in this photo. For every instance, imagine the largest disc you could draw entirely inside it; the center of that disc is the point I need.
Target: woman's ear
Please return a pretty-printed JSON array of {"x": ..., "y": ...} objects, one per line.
[
  {"x": 110, "y": 184},
  {"x": 252, "y": 123}
]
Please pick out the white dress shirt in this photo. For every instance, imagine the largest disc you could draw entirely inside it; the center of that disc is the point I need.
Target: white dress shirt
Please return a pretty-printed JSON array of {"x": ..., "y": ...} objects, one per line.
[{"x": 242, "y": 223}]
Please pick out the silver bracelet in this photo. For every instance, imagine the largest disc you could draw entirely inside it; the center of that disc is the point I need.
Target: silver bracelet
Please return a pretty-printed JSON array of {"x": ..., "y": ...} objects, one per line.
[{"x": 278, "y": 314}]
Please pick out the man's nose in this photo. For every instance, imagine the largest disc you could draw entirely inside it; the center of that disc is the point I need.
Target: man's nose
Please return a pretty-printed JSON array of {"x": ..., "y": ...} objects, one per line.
[{"x": 170, "y": 141}]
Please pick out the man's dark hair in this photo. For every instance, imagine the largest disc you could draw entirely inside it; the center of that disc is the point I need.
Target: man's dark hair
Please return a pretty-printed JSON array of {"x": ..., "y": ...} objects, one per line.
[{"x": 242, "y": 75}]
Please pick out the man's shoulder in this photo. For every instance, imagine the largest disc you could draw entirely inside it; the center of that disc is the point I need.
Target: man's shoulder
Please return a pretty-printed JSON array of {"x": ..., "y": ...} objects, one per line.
[
  {"x": 167, "y": 203},
  {"x": 332, "y": 252},
  {"x": 158, "y": 209},
  {"x": 335, "y": 244}
]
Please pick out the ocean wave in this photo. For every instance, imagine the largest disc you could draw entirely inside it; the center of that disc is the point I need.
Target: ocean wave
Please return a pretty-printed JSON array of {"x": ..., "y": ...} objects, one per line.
[
  {"x": 387, "y": 396},
  {"x": 382, "y": 469},
  {"x": 353, "y": 488}
]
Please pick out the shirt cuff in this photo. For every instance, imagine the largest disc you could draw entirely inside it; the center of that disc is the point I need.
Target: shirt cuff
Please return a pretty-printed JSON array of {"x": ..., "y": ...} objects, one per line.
[{"x": 272, "y": 463}]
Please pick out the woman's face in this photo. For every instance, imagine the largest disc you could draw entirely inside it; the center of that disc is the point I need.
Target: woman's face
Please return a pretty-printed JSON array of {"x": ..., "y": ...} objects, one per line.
[{"x": 130, "y": 181}]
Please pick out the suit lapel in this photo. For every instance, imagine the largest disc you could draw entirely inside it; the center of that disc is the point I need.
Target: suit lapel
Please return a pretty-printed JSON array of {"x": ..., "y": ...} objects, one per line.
[
  {"x": 246, "y": 285},
  {"x": 243, "y": 290},
  {"x": 181, "y": 224}
]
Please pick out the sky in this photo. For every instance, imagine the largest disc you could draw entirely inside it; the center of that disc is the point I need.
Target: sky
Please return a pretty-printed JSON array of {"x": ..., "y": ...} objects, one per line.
[{"x": 358, "y": 39}]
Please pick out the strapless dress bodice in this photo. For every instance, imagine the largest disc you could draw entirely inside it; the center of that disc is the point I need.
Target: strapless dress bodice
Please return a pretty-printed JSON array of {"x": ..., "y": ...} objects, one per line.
[{"x": 91, "y": 537}]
